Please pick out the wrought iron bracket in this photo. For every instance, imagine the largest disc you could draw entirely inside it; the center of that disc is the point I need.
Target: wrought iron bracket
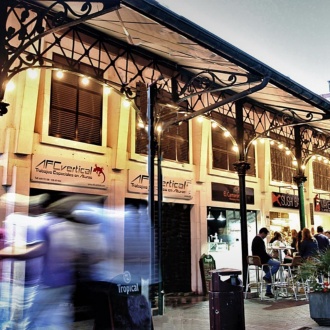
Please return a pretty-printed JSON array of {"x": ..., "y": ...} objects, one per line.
[{"x": 34, "y": 22}]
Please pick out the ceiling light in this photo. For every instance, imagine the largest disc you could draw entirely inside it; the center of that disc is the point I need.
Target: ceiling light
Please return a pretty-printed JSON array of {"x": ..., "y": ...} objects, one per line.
[
  {"x": 32, "y": 73},
  {"x": 59, "y": 74},
  {"x": 85, "y": 81},
  {"x": 10, "y": 86}
]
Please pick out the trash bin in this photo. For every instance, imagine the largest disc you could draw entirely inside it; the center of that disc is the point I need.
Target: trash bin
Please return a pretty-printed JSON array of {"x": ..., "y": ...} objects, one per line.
[{"x": 226, "y": 300}]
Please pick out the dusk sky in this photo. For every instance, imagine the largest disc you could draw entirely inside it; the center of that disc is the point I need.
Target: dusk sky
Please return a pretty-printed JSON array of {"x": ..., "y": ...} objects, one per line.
[{"x": 290, "y": 36}]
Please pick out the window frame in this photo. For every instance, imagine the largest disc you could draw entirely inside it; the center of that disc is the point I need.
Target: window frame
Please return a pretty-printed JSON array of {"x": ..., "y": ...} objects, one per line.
[{"x": 57, "y": 141}]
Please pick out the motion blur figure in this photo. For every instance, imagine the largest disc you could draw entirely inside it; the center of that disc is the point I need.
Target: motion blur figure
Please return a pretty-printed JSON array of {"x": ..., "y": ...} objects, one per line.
[{"x": 60, "y": 243}]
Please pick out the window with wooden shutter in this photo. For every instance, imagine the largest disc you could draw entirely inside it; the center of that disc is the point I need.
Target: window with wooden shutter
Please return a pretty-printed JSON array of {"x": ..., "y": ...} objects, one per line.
[
  {"x": 175, "y": 139},
  {"x": 224, "y": 155},
  {"x": 321, "y": 176},
  {"x": 75, "y": 107},
  {"x": 281, "y": 166}
]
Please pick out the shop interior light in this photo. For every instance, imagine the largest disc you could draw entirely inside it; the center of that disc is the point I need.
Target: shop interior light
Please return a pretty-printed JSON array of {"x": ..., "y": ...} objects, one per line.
[
  {"x": 210, "y": 216},
  {"x": 221, "y": 217}
]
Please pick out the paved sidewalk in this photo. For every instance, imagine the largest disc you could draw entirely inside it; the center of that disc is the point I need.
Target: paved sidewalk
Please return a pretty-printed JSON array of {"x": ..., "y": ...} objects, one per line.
[
  {"x": 192, "y": 313},
  {"x": 268, "y": 314}
]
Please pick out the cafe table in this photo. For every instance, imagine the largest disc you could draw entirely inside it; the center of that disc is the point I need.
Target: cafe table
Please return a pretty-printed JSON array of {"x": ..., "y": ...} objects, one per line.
[{"x": 282, "y": 284}]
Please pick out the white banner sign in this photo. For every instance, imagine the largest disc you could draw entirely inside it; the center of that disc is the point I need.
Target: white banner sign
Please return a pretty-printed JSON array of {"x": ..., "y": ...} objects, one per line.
[
  {"x": 172, "y": 187},
  {"x": 57, "y": 170}
]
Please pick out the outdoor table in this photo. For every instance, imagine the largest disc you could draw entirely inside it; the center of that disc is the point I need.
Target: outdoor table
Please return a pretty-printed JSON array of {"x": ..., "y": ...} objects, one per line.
[{"x": 282, "y": 284}]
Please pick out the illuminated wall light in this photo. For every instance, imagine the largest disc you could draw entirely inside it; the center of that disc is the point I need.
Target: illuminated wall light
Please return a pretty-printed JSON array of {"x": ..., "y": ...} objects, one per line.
[
  {"x": 32, "y": 73},
  {"x": 59, "y": 74},
  {"x": 10, "y": 86},
  {"x": 272, "y": 142},
  {"x": 126, "y": 103},
  {"x": 313, "y": 157},
  {"x": 140, "y": 124},
  {"x": 303, "y": 167},
  {"x": 281, "y": 146},
  {"x": 326, "y": 161},
  {"x": 287, "y": 152},
  {"x": 159, "y": 128},
  {"x": 85, "y": 81},
  {"x": 226, "y": 133},
  {"x": 319, "y": 158},
  {"x": 200, "y": 119},
  {"x": 295, "y": 163},
  {"x": 235, "y": 148},
  {"x": 107, "y": 90},
  {"x": 254, "y": 142},
  {"x": 214, "y": 124},
  {"x": 262, "y": 140}
]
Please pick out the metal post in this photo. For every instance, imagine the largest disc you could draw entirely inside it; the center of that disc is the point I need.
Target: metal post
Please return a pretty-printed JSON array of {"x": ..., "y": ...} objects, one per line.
[
  {"x": 151, "y": 174},
  {"x": 160, "y": 218},
  {"x": 300, "y": 178},
  {"x": 152, "y": 91},
  {"x": 241, "y": 167}
]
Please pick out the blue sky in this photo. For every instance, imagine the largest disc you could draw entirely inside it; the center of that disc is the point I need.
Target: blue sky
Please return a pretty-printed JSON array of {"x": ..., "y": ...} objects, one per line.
[{"x": 291, "y": 36}]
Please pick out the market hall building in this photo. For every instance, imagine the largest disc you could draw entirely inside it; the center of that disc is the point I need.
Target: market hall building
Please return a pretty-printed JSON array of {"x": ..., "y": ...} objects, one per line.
[{"x": 131, "y": 102}]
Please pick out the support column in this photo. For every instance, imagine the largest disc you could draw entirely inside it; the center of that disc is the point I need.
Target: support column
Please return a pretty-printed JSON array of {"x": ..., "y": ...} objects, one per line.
[
  {"x": 151, "y": 173},
  {"x": 300, "y": 179},
  {"x": 241, "y": 167}
]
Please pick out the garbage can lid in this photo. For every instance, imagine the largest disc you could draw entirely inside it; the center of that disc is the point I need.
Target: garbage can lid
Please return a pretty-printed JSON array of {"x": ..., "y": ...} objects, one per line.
[{"x": 227, "y": 271}]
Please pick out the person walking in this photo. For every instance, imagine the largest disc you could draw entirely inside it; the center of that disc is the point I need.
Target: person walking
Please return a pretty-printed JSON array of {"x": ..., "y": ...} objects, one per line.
[{"x": 259, "y": 249}]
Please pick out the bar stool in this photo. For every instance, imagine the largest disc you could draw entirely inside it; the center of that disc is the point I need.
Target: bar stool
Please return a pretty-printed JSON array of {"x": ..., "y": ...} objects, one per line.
[
  {"x": 293, "y": 270},
  {"x": 255, "y": 274}
]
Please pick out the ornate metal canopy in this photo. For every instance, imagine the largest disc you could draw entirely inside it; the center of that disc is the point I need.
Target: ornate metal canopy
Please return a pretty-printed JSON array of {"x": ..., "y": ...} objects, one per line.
[{"x": 128, "y": 41}]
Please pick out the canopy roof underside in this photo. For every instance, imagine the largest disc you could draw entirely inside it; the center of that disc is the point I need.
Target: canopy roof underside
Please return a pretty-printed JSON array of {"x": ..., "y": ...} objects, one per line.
[{"x": 147, "y": 25}]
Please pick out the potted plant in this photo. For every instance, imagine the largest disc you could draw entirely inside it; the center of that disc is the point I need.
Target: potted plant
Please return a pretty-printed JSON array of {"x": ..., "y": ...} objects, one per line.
[{"x": 315, "y": 272}]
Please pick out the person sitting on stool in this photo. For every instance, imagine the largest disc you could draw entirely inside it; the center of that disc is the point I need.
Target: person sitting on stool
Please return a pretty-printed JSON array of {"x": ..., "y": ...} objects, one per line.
[{"x": 259, "y": 249}]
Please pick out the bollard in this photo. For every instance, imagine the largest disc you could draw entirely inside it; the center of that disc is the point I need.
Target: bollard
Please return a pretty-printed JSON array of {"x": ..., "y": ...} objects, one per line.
[{"x": 226, "y": 301}]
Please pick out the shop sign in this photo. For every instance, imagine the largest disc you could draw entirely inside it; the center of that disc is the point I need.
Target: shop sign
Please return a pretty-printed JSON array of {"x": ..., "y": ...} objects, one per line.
[
  {"x": 172, "y": 187},
  {"x": 285, "y": 200},
  {"x": 230, "y": 193},
  {"x": 71, "y": 172},
  {"x": 321, "y": 205}
]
